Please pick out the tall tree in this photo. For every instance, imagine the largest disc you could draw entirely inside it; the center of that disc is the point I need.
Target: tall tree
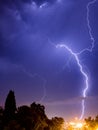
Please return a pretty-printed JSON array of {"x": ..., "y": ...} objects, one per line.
[
  {"x": 1, "y": 117},
  {"x": 10, "y": 107}
]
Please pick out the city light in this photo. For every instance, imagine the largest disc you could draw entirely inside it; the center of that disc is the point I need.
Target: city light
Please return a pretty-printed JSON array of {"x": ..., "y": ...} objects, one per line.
[
  {"x": 79, "y": 125},
  {"x": 75, "y": 125}
]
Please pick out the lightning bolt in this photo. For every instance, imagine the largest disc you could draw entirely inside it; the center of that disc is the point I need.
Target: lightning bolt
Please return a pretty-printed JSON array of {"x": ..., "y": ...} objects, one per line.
[
  {"x": 76, "y": 56},
  {"x": 33, "y": 76},
  {"x": 44, "y": 83},
  {"x": 88, "y": 25},
  {"x": 90, "y": 49}
]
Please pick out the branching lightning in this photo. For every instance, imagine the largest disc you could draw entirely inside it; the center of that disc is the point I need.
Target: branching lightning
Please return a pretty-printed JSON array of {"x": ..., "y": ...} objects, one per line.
[
  {"x": 89, "y": 27},
  {"x": 76, "y": 56},
  {"x": 33, "y": 76},
  {"x": 90, "y": 49},
  {"x": 44, "y": 83}
]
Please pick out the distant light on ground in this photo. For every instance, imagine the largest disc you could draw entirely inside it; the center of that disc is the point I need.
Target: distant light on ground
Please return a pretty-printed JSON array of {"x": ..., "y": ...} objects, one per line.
[
  {"x": 75, "y": 125},
  {"x": 79, "y": 125}
]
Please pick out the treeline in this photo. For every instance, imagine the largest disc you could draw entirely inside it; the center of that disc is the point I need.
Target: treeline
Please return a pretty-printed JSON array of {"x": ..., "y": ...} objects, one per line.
[
  {"x": 91, "y": 123},
  {"x": 31, "y": 117}
]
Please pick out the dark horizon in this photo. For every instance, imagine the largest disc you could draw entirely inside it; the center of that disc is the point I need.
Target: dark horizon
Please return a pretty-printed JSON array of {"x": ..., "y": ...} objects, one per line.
[{"x": 49, "y": 107}]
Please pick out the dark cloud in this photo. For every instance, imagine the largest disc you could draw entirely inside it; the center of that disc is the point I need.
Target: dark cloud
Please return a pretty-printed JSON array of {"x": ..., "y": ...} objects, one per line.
[
  {"x": 39, "y": 2},
  {"x": 18, "y": 3}
]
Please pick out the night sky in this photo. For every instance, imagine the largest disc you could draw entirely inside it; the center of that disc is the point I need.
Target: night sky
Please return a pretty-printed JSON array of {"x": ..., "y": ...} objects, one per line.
[{"x": 34, "y": 68}]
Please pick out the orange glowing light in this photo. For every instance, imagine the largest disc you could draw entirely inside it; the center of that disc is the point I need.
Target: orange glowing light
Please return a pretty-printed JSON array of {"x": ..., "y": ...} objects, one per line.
[{"x": 79, "y": 125}]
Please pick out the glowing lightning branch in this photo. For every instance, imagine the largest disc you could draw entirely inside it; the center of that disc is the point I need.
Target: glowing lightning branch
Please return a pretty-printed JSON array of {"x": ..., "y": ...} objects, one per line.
[
  {"x": 76, "y": 56},
  {"x": 82, "y": 72},
  {"x": 33, "y": 76},
  {"x": 44, "y": 82},
  {"x": 89, "y": 28}
]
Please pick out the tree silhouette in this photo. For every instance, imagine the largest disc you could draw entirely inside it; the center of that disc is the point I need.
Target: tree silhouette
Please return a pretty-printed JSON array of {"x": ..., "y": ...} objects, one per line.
[
  {"x": 1, "y": 117},
  {"x": 24, "y": 117},
  {"x": 31, "y": 117},
  {"x": 55, "y": 123},
  {"x": 92, "y": 123},
  {"x": 39, "y": 116},
  {"x": 10, "y": 107}
]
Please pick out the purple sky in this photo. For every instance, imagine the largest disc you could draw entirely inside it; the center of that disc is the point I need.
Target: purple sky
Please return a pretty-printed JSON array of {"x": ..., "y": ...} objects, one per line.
[{"x": 34, "y": 68}]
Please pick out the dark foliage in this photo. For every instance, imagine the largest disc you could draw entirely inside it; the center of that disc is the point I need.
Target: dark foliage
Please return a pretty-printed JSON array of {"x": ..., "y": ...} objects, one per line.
[
  {"x": 31, "y": 117},
  {"x": 1, "y": 118},
  {"x": 10, "y": 108},
  {"x": 92, "y": 123}
]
